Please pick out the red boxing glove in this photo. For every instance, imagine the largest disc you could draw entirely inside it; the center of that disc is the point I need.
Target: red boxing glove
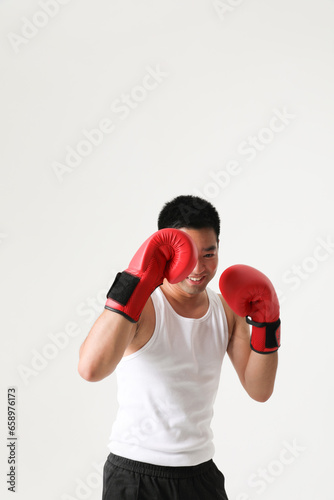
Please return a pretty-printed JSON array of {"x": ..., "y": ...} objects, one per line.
[
  {"x": 168, "y": 253},
  {"x": 249, "y": 292}
]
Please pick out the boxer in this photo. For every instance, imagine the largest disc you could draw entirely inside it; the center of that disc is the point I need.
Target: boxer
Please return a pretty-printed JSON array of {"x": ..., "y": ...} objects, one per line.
[{"x": 165, "y": 332}]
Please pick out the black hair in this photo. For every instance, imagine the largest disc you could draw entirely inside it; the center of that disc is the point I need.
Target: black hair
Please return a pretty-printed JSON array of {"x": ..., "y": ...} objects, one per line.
[{"x": 191, "y": 212}]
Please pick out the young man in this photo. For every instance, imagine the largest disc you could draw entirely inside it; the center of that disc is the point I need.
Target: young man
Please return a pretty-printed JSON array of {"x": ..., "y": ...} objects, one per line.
[{"x": 165, "y": 333}]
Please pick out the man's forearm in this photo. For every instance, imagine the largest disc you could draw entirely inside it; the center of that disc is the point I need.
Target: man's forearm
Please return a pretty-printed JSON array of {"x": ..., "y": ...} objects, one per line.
[
  {"x": 260, "y": 375},
  {"x": 105, "y": 345}
]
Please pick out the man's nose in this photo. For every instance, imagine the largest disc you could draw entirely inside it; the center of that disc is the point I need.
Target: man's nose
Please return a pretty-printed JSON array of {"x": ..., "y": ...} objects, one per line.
[{"x": 199, "y": 268}]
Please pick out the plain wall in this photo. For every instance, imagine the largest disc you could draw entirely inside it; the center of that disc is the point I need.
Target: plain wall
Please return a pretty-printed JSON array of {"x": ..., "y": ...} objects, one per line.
[{"x": 238, "y": 108}]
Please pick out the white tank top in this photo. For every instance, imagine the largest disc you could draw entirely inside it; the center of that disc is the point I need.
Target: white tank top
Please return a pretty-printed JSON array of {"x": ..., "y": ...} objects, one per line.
[{"x": 166, "y": 389}]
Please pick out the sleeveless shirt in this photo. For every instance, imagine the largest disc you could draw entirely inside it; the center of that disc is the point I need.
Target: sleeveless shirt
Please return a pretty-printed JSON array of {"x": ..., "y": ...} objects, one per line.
[{"x": 167, "y": 389}]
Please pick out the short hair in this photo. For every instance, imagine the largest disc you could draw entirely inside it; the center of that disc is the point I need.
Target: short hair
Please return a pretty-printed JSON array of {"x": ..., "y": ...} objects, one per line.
[{"x": 191, "y": 212}]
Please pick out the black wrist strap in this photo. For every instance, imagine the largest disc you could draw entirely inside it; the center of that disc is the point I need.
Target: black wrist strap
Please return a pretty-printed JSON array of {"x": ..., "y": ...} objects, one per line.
[
  {"x": 271, "y": 328},
  {"x": 123, "y": 287}
]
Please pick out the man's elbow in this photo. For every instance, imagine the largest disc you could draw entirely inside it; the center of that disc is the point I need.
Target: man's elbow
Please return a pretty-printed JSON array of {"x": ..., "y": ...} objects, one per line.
[
  {"x": 86, "y": 373},
  {"x": 261, "y": 397},
  {"x": 91, "y": 374}
]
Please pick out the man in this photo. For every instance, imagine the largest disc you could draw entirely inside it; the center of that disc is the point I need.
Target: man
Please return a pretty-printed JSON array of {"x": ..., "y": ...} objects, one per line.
[{"x": 165, "y": 333}]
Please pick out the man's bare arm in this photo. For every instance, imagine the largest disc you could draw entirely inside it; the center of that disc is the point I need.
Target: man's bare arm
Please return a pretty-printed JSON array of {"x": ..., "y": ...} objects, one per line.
[
  {"x": 257, "y": 372},
  {"x": 105, "y": 345}
]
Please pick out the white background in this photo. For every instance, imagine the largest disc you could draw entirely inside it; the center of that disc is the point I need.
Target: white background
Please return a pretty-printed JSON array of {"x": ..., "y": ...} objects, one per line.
[{"x": 227, "y": 69}]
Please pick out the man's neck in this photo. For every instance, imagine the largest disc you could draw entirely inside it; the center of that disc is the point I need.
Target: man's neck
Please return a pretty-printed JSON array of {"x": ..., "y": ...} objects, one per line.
[{"x": 185, "y": 304}]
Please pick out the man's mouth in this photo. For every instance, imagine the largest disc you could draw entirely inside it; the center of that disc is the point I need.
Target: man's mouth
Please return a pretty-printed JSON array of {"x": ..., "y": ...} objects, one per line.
[{"x": 194, "y": 280}]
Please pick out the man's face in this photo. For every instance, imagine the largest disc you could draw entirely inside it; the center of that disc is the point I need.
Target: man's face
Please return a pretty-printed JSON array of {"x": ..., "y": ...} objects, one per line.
[{"x": 207, "y": 263}]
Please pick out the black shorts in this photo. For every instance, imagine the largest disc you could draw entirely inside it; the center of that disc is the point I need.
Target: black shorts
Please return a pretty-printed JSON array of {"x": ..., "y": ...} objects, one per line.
[{"x": 125, "y": 479}]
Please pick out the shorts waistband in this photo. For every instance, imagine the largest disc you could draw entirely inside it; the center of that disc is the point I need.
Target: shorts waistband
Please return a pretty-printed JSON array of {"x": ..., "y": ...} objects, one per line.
[{"x": 159, "y": 470}]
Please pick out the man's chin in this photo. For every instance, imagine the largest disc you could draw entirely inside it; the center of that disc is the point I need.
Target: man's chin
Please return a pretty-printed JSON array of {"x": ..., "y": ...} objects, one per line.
[{"x": 192, "y": 289}]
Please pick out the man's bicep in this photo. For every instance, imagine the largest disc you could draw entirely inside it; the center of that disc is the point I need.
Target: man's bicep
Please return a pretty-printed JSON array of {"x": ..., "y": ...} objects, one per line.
[{"x": 239, "y": 347}]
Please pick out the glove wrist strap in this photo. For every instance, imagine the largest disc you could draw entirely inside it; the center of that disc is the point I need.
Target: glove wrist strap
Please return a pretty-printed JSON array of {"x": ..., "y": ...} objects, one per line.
[
  {"x": 265, "y": 336},
  {"x": 123, "y": 287}
]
